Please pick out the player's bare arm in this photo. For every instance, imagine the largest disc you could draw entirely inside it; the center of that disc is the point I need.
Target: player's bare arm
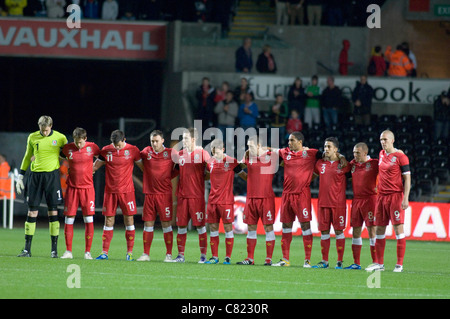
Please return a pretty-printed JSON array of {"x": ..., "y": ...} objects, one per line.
[
  {"x": 407, "y": 188},
  {"x": 97, "y": 164}
]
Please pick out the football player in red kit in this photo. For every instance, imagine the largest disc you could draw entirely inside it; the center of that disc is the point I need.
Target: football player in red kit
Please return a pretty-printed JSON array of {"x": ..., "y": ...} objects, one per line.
[
  {"x": 191, "y": 163},
  {"x": 80, "y": 192},
  {"x": 157, "y": 187},
  {"x": 394, "y": 185},
  {"x": 119, "y": 158},
  {"x": 260, "y": 203},
  {"x": 332, "y": 201},
  {"x": 364, "y": 173},
  {"x": 221, "y": 170}
]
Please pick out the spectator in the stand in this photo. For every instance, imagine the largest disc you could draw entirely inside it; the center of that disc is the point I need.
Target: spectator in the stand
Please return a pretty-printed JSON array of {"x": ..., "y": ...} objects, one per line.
[
  {"x": 248, "y": 112},
  {"x": 110, "y": 10},
  {"x": 314, "y": 11},
  {"x": 399, "y": 63},
  {"x": 279, "y": 113},
  {"x": 343, "y": 58},
  {"x": 331, "y": 101},
  {"x": 35, "y": 8},
  {"x": 362, "y": 100},
  {"x": 334, "y": 13},
  {"x": 312, "y": 107},
  {"x": 296, "y": 97},
  {"x": 227, "y": 112},
  {"x": 91, "y": 9},
  {"x": 15, "y": 7},
  {"x": 129, "y": 9},
  {"x": 205, "y": 108},
  {"x": 294, "y": 124},
  {"x": 222, "y": 92},
  {"x": 244, "y": 62},
  {"x": 55, "y": 8},
  {"x": 203, "y": 10},
  {"x": 296, "y": 12},
  {"x": 442, "y": 116},
  {"x": 412, "y": 58},
  {"x": 266, "y": 61},
  {"x": 150, "y": 9},
  {"x": 242, "y": 90},
  {"x": 377, "y": 64},
  {"x": 281, "y": 12}
]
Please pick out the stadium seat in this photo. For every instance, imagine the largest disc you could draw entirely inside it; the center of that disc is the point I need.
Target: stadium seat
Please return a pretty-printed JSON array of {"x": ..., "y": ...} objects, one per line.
[
  {"x": 386, "y": 125},
  {"x": 370, "y": 137},
  {"x": 440, "y": 162},
  {"x": 426, "y": 185},
  {"x": 374, "y": 149},
  {"x": 439, "y": 150},
  {"x": 406, "y": 119},
  {"x": 422, "y": 138},
  {"x": 424, "y": 119},
  {"x": 388, "y": 118},
  {"x": 422, "y": 161},
  {"x": 404, "y": 138},
  {"x": 422, "y": 149},
  {"x": 442, "y": 174},
  {"x": 423, "y": 173},
  {"x": 408, "y": 149}
]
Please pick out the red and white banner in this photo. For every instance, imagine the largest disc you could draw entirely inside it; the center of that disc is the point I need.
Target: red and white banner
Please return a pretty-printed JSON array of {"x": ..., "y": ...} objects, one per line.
[
  {"x": 95, "y": 39},
  {"x": 423, "y": 221}
]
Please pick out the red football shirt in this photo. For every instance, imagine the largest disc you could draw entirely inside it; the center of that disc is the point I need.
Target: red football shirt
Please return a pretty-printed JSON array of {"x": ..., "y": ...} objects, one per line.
[
  {"x": 364, "y": 178},
  {"x": 192, "y": 173},
  {"x": 158, "y": 168},
  {"x": 298, "y": 169},
  {"x": 390, "y": 170},
  {"x": 332, "y": 183},
  {"x": 80, "y": 164},
  {"x": 119, "y": 167},
  {"x": 260, "y": 176},
  {"x": 221, "y": 178}
]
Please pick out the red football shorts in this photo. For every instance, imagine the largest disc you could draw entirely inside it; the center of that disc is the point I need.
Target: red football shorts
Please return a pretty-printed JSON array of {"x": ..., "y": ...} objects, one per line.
[
  {"x": 158, "y": 204},
  {"x": 126, "y": 202},
  {"x": 191, "y": 208},
  {"x": 79, "y": 197},
  {"x": 328, "y": 216},
  {"x": 256, "y": 208},
  {"x": 389, "y": 207},
  {"x": 363, "y": 211},
  {"x": 215, "y": 212},
  {"x": 295, "y": 205}
]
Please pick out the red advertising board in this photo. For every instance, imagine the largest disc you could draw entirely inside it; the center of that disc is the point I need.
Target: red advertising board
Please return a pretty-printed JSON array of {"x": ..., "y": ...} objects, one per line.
[
  {"x": 94, "y": 39},
  {"x": 423, "y": 221}
]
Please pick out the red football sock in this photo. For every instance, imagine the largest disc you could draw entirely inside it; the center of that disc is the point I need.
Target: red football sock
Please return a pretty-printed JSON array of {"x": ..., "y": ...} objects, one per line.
[
  {"x": 373, "y": 254},
  {"x": 251, "y": 244},
  {"x": 401, "y": 245},
  {"x": 203, "y": 243},
  {"x": 340, "y": 247},
  {"x": 325, "y": 247},
  {"x": 181, "y": 242},
  {"x": 356, "y": 249},
  {"x": 270, "y": 245},
  {"x": 130, "y": 234},
  {"x": 168, "y": 240},
  {"x": 286, "y": 239},
  {"x": 307, "y": 244},
  {"x": 68, "y": 234},
  {"x": 214, "y": 243},
  {"x": 88, "y": 236},
  {"x": 229, "y": 242},
  {"x": 148, "y": 239},
  {"x": 380, "y": 244},
  {"x": 107, "y": 237}
]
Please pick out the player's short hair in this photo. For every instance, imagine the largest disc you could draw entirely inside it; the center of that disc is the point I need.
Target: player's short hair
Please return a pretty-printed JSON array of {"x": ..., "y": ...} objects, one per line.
[
  {"x": 156, "y": 132},
  {"x": 79, "y": 133},
  {"x": 117, "y": 136},
  {"x": 362, "y": 146},
  {"x": 45, "y": 121},
  {"x": 257, "y": 140},
  {"x": 333, "y": 140},
  {"x": 217, "y": 143},
  {"x": 298, "y": 135},
  {"x": 193, "y": 132}
]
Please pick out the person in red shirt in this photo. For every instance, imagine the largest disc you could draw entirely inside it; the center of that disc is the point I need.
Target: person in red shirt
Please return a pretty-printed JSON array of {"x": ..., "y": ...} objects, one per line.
[
  {"x": 394, "y": 185},
  {"x": 119, "y": 158},
  {"x": 221, "y": 170},
  {"x": 80, "y": 191},
  {"x": 191, "y": 163},
  {"x": 157, "y": 187},
  {"x": 364, "y": 173},
  {"x": 331, "y": 203},
  {"x": 260, "y": 203}
]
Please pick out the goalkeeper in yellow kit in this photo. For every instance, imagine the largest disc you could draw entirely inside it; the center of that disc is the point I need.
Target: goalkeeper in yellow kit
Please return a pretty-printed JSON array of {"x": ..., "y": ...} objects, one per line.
[{"x": 44, "y": 179}]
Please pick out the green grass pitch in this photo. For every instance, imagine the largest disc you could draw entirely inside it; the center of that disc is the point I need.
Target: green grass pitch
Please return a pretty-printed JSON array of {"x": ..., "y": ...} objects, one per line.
[{"x": 426, "y": 271}]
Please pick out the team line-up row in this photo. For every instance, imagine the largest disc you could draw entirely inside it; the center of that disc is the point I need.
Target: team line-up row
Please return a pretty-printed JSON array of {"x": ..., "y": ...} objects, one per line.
[{"x": 380, "y": 186}]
